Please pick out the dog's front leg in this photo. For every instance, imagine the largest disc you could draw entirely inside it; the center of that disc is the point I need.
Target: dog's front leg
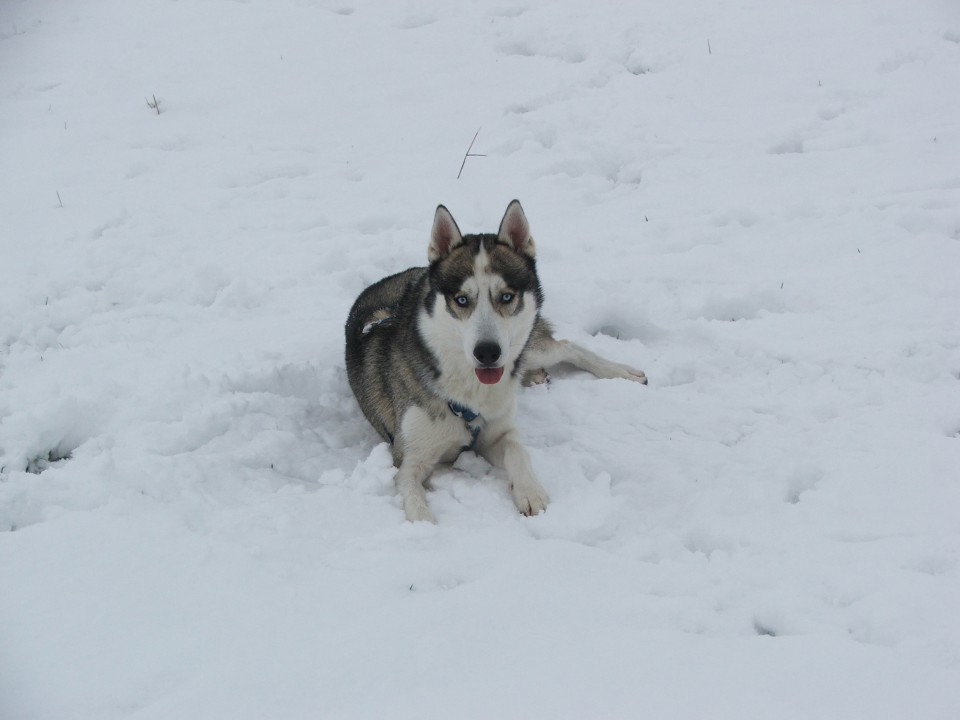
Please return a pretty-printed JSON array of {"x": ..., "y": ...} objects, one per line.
[
  {"x": 508, "y": 454},
  {"x": 410, "y": 478},
  {"x": 424, "y": 442}
]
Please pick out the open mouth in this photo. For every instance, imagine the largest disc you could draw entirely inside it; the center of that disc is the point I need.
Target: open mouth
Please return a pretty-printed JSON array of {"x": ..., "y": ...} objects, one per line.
[{"x": 489, "y": 376}]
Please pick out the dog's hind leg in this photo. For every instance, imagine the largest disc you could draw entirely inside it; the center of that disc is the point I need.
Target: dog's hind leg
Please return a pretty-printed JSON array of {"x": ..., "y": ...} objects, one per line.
[{"x": 546, "y": 351}]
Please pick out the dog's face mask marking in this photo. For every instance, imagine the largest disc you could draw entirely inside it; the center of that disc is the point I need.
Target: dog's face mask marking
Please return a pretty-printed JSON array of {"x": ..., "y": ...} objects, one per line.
[{"x": 489, "y": 290}]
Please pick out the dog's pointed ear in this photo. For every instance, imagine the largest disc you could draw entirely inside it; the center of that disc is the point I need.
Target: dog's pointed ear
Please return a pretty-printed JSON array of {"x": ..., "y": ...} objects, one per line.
[
  {"x": 515, "y": 230},
  {"x": 444, "y": 236}
]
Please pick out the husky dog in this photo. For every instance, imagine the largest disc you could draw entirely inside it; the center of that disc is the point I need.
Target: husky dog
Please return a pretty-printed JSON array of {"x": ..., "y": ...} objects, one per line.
[{"x": 436, "y": 355}]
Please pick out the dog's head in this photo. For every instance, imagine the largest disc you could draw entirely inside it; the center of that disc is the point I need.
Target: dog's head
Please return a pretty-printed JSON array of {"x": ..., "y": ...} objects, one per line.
[{"x": 485, "y": 296}]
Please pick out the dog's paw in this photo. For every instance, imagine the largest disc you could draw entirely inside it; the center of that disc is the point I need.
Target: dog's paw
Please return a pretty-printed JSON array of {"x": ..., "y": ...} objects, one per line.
[
  {"x": 536, "y": 377},
  {"x": 416, "y": 510},
  {"x": 625, "y": 372},
  {"x": 636, "y": 375},
  {"x": 530, "y": 497}
]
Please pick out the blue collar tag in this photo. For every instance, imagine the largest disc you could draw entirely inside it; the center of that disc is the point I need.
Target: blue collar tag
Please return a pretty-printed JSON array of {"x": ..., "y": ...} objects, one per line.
[
  {"x": 468, "y": 416},
  {"x": 462, "y": 411}
]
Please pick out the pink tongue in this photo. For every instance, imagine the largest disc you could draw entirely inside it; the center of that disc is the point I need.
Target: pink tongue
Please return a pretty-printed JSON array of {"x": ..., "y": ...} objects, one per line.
[{"x": 489, "y": 376}]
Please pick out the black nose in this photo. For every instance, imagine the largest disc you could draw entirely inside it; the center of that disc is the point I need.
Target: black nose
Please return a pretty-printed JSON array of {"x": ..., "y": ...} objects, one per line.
[{"x": 487, "y": 353}]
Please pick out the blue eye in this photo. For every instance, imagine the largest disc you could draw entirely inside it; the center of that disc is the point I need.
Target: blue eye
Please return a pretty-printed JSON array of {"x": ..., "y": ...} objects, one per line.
[
  {"x": 506, "y": 297},
  {"x": 462, "y": 300}
]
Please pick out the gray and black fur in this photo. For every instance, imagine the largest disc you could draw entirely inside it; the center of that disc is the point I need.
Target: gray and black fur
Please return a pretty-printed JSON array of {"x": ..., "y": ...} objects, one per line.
[{"x": 418, "y": 342}]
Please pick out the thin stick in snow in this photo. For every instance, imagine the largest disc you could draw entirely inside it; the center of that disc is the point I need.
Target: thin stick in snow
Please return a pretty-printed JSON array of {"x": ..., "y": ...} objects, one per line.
[
  {"x": 470, "y": 154},
  {"x": 154, "y": 104}
]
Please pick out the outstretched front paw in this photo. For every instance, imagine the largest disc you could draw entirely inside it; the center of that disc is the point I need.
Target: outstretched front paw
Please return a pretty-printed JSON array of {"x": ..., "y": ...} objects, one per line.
[{"x": 530, "y": 497}]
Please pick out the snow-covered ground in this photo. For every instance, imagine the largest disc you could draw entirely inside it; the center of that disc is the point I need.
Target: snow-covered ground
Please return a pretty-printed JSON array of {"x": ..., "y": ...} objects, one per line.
[{"x": 757, "y": 202}]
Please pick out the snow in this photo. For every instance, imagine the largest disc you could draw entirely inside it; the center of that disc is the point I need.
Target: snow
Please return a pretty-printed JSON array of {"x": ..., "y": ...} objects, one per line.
[{"x": 757, "y": 203}]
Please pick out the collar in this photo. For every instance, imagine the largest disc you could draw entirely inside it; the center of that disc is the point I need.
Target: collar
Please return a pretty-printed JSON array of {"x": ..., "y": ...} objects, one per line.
[{"x": 468, "y": 416}]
